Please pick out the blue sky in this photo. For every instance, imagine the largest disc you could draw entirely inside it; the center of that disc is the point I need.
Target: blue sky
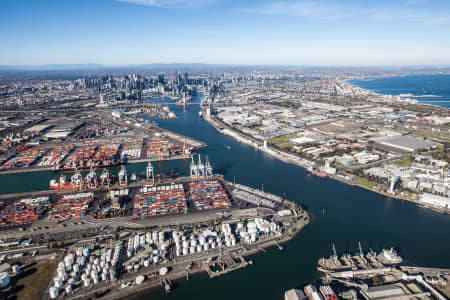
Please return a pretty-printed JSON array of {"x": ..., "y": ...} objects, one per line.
[{"x": 302, "y": 32}]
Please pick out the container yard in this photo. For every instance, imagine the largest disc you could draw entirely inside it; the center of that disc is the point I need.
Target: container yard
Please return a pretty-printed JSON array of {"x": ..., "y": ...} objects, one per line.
[
  {"x": 25, "y": 211},
  {"x": 23, "y": 159},
  {"x": 208, "y": 195},
  {"x": 132, "y": 148},
  {"x": 158, "y": 147},
  {"x": 107, "y": 155},
  {"x": 161, "y": 200},
  {"x": 82, "y": 157},
  {"x": 55, "y": 156},
  {"x": 71, "y": 206},
  {"x": 98, "y": 153},
  {"x": 124, "y": 257}
]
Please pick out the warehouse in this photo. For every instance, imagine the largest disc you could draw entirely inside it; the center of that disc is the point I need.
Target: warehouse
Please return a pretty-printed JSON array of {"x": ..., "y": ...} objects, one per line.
[
  {"x": 302, "y": 140},
  {"x": 406, "y": 143},
  {"x": 294, "y": 294},
  {"x": 385, "y": 291},
  {"x": 435, "y": 200}
]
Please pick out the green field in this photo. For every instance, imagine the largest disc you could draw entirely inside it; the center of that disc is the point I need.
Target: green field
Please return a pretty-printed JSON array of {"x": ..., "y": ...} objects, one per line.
[
  {"x": 401, "y": 163},
  {"x": 281, "y": 139},
  {"x": 365, "y": 182}
]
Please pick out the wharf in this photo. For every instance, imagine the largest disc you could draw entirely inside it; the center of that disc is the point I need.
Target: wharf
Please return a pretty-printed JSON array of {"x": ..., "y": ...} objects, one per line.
[{"x": 227, "y": 264}]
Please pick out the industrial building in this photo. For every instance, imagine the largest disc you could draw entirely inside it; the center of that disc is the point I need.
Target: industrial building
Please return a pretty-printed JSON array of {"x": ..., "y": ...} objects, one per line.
[
  {"x": 294, "y": 294},
  {"x": 385, "y": 291},
  {"x": 406, "y": 143},
  {"x": 435, "y": 200}
]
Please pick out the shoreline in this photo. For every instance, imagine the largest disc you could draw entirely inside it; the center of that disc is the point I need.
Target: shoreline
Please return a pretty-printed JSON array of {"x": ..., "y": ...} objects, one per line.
[
  {"x": 419, "y": 103},
  {"x": 304, "y": 163}
]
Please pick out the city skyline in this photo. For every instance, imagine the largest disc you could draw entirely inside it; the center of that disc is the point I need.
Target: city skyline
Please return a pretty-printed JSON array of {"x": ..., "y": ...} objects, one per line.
[{"x": 312, "y": 32}]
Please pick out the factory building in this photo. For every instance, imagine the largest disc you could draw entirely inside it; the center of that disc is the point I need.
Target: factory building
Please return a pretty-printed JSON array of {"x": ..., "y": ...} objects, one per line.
[
  {"x": 406, "y": 143},
  {"x": 435, "y": 200}
]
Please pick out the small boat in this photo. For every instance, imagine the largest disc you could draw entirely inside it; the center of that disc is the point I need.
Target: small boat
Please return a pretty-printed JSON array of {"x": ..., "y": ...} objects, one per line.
[{"x": 228, "y": 147}]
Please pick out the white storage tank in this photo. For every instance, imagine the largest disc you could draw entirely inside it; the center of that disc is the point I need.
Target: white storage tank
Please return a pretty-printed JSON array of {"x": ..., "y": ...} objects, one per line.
[
  {"x": 87, "y": 282},
  {"x": 54, "y": 292},
  {"x": 4, "y": 280},
  {"x": 57, "y": 281},
  {"x": 140, "y": 279},
  {"x": 163, "y": 271},
  {"x": 69, "y": 289}
]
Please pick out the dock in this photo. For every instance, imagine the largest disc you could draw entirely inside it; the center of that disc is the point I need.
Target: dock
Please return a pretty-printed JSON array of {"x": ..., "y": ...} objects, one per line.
[{"x": 226, "y": 264}]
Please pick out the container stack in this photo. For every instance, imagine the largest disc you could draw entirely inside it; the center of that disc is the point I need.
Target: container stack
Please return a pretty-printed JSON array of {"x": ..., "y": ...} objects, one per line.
[
  {"x": 161, "y": 200},
  {"x": 56, "y": 156},
  {"x": 157, "y": 147},
  {"x": 107, "y": 154},
  {"x": 208, "y": 195},
  {"x": 24, "y": 158},
  {"x": 82, "y": 157},
  {"x": 71, "y": 206},
  {"x": 132, "y": 148},
  {"x": 25, "y": 211}
]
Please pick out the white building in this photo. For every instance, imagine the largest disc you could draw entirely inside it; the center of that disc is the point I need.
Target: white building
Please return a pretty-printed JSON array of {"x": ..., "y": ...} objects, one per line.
[{"x": 435, "y": 200}]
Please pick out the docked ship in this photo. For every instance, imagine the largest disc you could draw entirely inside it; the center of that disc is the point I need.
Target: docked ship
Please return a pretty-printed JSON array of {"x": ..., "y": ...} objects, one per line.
[
  {"x": 389, "y": 257},
  {"x": 62, "y": 183},
  {"x": 332, "y": 264},
  {"x": 317, "y": 173}
]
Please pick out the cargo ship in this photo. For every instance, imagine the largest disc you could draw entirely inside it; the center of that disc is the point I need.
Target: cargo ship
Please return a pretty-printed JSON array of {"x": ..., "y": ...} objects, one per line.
[
  {"x": 387, "y": 257},
  {"x": 62, "y": 183}
]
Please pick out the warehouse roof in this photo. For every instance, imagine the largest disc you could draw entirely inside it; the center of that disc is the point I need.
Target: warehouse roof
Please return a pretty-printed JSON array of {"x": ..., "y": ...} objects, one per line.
[
  {"x": 294, "y": 294},
  {"x": 407, "y": 143}
]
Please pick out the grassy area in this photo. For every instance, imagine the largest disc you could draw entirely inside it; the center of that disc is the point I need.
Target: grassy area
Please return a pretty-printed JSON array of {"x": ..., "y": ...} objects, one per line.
[
  {"x": 365, "y": 182},
  {"x": 281, "y": 139},
  {"x": 285, "y": 145},
  {"x": 35, "y": 280},
  {"x": 401, "y": 163}
]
